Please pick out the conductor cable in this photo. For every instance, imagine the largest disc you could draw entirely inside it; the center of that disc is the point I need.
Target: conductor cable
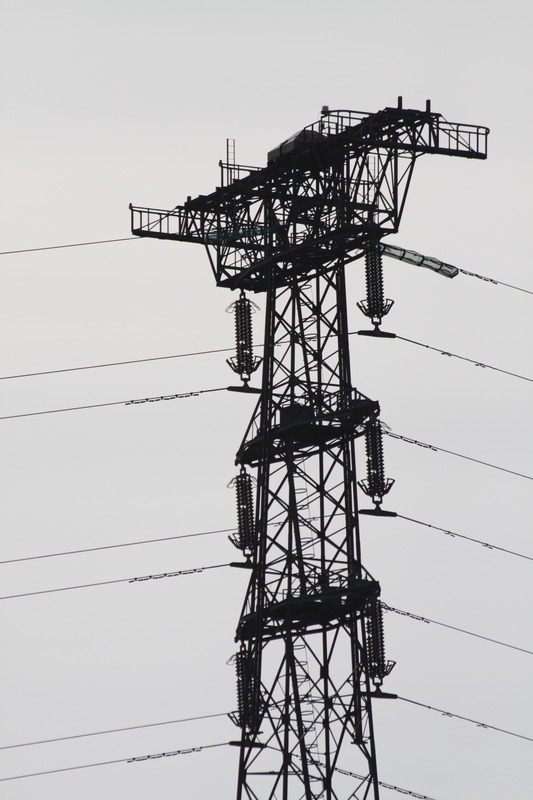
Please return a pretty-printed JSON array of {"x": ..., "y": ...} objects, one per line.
[
  {"x": 452, "y": 453},
  {"x": 467, "y": 719},
  {"x": 117, "y": 761},
  {"x": 113, "y": 730}
]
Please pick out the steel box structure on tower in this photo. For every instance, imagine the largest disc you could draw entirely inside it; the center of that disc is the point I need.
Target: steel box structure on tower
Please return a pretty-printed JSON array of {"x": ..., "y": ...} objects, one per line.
[{"x": 310, "y": 637}]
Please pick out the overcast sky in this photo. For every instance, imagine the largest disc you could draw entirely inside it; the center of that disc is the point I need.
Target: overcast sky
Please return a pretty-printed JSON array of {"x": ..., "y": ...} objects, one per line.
[{"x": 115, "y": 102}]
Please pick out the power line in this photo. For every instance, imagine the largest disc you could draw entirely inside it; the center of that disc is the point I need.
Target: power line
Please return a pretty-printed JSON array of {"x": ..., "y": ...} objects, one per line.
[
  {"x": 464, "y": 358},
  {"x": 228, "y": 350},
  {"x": 117, "y": 761},
  {"x": 452, "y": 453},
  {"x": 192, "y": 571},
  {"x": 113, "y": 730},
  {"x": 362, "y": 778},
  {"x": 115, "y": 364},
  {"x": 83, "y": 550},
  {"x": 117, "y": 403},
  {"x": 225, "y": 388},
  {"x": 176, "y": 574},
  {"x": 467, "y": 719},
  {"x": 383, "y": 784},
  {"x": 123, "y": 544},
  {"x": 418, "y": 618},
  {"x": 137, "y": 238},
  {"x": 493, "y": 280},
  {"x": 435, "y": 264},
  {"x": 115, "y": 546},
  {"x": 454, "y": 534},
  {"x": 187, "y": 751},
  {"x": 63, "y": 246}
]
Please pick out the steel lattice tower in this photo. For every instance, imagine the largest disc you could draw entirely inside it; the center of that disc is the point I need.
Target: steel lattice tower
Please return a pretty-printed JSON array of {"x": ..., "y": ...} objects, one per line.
[{"x": 310, "y": 637}]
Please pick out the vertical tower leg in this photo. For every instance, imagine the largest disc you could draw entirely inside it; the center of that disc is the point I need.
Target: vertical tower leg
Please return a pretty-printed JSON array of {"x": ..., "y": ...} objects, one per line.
[{"x": 302, "y": 631}]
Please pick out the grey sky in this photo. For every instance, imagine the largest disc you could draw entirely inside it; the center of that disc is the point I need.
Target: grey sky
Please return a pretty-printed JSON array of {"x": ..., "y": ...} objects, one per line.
[{"x": 122, "y": 102}]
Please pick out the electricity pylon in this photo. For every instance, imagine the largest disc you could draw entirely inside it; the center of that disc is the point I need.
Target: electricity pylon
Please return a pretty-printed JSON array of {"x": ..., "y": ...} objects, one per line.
[{"x": 310, "y": 637}]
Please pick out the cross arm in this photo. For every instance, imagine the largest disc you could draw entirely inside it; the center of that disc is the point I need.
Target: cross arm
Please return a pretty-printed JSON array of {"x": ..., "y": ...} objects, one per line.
[
  {"x": 181, "y": 224},
  {"x": 419, "y": 132}
]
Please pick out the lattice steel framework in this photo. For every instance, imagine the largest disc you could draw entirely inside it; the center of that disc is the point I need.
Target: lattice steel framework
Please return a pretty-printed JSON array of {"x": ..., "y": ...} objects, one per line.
[{"x": 310, "y": 637}]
